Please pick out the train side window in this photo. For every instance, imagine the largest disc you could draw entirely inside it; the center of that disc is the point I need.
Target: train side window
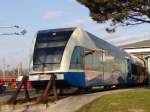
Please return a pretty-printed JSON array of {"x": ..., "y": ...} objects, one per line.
[
  {"x": 88, "y": 58},
  {"x": 108, "y": 62},
  {"x": 93, "y": 60},
  {"x": 77, "y": 58}
]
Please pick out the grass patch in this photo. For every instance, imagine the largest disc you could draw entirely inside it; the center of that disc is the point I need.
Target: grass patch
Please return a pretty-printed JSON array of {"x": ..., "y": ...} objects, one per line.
[{"x": 131, "y": 101}]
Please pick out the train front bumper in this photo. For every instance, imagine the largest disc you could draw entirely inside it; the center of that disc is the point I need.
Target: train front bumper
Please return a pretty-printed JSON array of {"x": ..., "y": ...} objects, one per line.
[
  {"x": 42, "y": 77},
  {"x": 75, "y": 79}
]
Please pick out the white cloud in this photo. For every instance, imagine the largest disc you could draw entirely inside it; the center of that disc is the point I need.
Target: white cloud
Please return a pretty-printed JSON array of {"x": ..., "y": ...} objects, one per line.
[
  {"x": 78, "y": 22},
  {"x": 52, "y": 14}
]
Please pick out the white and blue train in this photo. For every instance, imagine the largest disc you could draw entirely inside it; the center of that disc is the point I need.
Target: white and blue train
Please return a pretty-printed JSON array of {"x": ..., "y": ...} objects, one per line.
[{"x": 80, "y": 59}]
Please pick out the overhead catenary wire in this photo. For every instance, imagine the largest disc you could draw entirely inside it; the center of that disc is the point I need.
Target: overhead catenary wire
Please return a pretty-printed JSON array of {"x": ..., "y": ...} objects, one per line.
[
  {"x": 18, "y": 32},
  {"x": 22, "y": 32}
]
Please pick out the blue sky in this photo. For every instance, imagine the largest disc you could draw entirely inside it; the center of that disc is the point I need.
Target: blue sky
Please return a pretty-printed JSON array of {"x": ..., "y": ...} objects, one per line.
[{"x": 34, "y": 15}]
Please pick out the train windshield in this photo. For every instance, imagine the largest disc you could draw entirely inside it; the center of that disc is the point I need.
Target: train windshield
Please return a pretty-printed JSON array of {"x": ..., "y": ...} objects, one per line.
[{"x": 49, "y": 49}]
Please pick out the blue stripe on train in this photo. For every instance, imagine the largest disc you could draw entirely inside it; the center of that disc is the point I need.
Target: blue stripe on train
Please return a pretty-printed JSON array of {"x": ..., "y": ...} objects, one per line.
[{"x": 76, "y": 79}]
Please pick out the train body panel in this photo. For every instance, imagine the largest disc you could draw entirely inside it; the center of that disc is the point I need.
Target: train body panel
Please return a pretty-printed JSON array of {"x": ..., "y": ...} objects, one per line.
[
  {"x": 80, "y": 79},
  {"x": 81, "y": 60}
]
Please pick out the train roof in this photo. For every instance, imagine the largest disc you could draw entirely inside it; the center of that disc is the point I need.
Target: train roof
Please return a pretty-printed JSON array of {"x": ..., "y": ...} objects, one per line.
[
  {"x": 57, "y": 30},
  {"x": 100, "y": 43}
]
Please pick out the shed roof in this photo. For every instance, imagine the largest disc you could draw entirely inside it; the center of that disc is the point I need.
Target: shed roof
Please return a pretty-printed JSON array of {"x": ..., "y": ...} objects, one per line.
[{"x": 141, "y": 44}]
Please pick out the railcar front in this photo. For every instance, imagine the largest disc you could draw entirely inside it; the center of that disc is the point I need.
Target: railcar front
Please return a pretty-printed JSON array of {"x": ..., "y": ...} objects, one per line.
[{"x": 48, "y": 52}]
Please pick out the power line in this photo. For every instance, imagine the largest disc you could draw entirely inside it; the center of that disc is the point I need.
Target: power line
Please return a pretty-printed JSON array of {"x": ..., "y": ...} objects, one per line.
[
  {"x": 22, "y": 32},
  {"x": 15, "y": 26}
]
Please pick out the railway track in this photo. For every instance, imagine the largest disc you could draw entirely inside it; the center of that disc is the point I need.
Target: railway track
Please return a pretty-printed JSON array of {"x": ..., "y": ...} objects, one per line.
[
  {"x": 70, "y": 92},
  {"x": 21, "y": 102}
]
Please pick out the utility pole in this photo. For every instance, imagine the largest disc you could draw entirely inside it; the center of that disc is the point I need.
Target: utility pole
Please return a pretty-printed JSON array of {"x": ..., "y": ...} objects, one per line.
[
  {"x": 19, "y": 69},
  {"x": 4, "y": 64}
]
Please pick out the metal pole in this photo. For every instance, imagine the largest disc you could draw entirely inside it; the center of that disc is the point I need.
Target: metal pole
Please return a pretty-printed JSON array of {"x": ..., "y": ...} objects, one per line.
[
  {"x": 103, "y": 64},
  {"x": 148, "y": 71},
  {"x": 3, "y": 60},
  {"x": 18, "y": 71}
]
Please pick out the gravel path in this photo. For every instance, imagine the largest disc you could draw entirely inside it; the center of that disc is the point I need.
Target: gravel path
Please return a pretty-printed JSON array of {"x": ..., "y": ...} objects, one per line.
[{"x": 73, "y": 103}]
